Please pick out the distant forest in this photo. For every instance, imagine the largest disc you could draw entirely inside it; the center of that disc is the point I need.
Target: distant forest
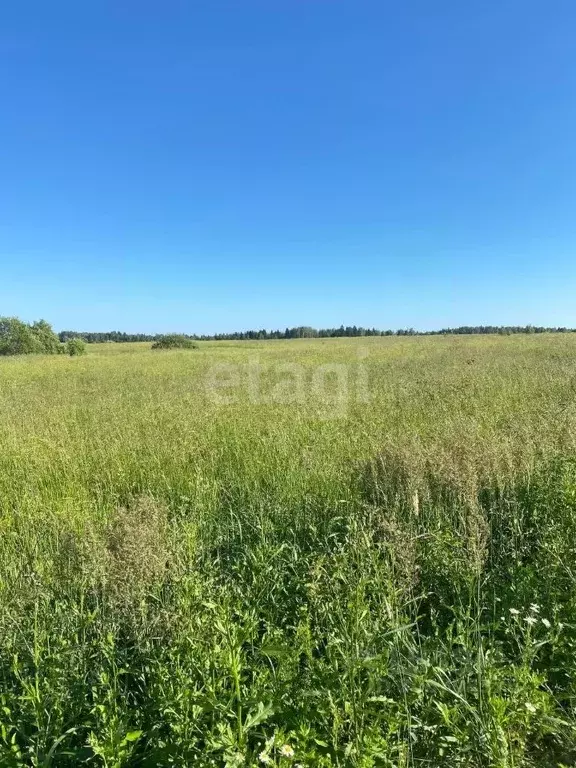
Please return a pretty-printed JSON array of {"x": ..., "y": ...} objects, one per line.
[{"x": 306, "y": 332}]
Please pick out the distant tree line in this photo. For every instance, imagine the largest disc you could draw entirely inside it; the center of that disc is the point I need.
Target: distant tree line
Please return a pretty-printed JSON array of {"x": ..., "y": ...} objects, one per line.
[
  {"x": 306, "y": 332},
  {"x": 505, "y": 330},
  {"x": 99, "y": 338},
  {"x": 19, "y": 338}
]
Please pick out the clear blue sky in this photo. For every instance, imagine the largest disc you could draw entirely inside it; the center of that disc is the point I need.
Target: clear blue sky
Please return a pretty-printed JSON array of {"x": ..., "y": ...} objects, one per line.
[{"x": 202, "y": 165}]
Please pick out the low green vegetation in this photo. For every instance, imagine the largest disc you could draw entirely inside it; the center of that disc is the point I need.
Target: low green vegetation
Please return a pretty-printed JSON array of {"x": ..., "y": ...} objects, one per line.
[
  {"x": 339, "y": 552},
  {"x": 174, "y": 341},
  {"x": 75, "y": 347}
]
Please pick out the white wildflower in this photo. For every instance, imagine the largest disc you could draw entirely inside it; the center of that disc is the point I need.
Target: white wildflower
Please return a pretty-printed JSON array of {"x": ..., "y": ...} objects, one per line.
[
  {"x": 535, "y": 608},
  {"x": 530, "y": 620},
  {"x": 546, "y": 623},
  {"x": 264, "y": 757},
  {"x": 286, "y": 751},
  {"x": 530, "y": 707},
  {"x": 514, "y": 612}
]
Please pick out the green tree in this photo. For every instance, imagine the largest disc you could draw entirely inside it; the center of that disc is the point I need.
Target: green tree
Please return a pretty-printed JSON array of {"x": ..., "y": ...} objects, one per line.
[
  {"x": 17, "y": 338},
  {"x": 43, "y": 333}
]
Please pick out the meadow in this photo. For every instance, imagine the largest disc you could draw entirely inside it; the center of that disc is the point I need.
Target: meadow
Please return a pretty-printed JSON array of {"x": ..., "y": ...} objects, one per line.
[{"x": 340, "y": 552}]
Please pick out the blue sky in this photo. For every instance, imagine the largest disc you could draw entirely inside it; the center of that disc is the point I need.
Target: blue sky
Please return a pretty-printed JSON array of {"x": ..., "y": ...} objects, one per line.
[{"x": 205, "y": 165}]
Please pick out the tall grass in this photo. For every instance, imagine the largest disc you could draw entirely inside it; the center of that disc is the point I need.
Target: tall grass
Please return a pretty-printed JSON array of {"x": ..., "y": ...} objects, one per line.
[{"x": 269, "y": 583}]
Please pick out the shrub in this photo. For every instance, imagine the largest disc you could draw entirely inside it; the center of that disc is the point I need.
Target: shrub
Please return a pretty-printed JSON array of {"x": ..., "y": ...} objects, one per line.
[
  {"x": 19, "y": 338},
  {"x": 75, "y": 347},
  {"x": 174, "y": 341}
]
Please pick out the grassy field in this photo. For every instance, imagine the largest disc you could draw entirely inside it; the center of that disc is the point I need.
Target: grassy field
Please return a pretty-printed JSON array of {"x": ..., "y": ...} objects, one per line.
[{"x": 356, "y": 552}]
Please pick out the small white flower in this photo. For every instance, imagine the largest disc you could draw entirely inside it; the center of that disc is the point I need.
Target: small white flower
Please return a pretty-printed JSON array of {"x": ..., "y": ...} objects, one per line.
[
  {"x": 514, "y": 612},
  {"x": 263, "y": 757},
  {"x": 530, "y": 620},
  {"x": 546, "y": 623},
  {"x": 286, "y": 751},
  {"x": 530, "y": 707},
  {"x": 535, "y": 608}
]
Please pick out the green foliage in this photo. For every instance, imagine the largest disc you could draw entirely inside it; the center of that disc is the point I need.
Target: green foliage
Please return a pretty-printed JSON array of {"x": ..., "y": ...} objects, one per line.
[
  {"x": 306, "y": 332},
  {"x": 18, "y": 338},
  {"x": 47, "y": 339},
  {"x": 259, "y": 584},
  {"x": 174, "y": 341},
  {"x": 75, "y": 347}
]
